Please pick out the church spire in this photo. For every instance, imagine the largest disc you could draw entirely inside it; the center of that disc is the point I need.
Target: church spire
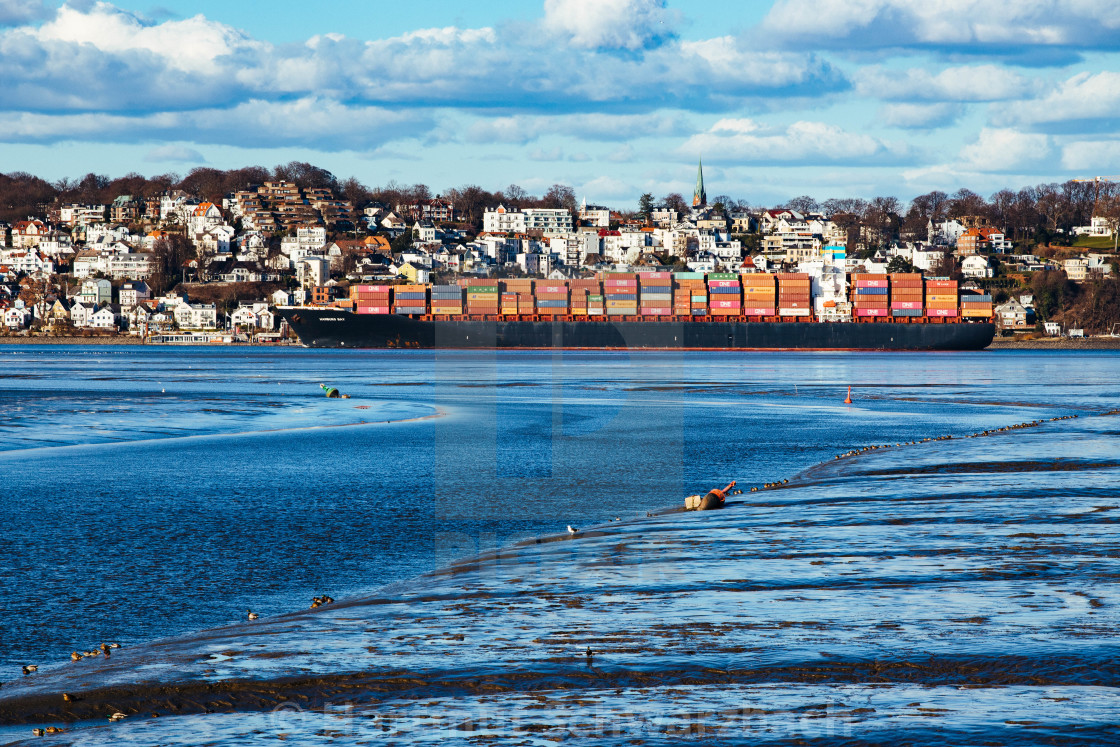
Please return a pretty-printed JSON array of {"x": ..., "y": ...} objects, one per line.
[{"x": 699, "y": 197}]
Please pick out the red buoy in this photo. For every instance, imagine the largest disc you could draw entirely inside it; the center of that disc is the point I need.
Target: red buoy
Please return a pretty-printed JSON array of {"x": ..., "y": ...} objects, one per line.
[{"x": 848, "y": 401}]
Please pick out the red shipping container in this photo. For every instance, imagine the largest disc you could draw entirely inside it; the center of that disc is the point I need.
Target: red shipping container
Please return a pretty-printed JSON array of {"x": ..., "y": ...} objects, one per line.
[
  {"x": 721, "y": 304},
  {"x": 872, "y": 312},
  {"x": 360, "y": 309},
  {"x": 906, "y": 304},
  {"x": 759, "y": 311},
  {"x": 723, "y": 283},
  {"x": 941, "y": 312}
]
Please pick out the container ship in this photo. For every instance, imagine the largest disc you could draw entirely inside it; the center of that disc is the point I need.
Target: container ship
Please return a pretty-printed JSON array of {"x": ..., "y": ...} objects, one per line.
[{"x": 654, "y": 310}]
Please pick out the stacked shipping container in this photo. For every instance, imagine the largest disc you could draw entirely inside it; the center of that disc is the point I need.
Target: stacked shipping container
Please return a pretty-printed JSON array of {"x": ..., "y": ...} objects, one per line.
[
  {"x": 371, "y": 299},
  {"x": 976, "y": 306},
  {"x": 620, "y": 289},
  {"x": 483, "y": 298},
  {"x": 656, "y": 293},
  {"x": 662, "y": 294},
  {"x": 725, "y": 296},
  {"x": 760, "y": 297},
  {"x": 941, "y": 298},
  {"x": 447, "y": 299},
  {"x": 583, "y": 291},
  {"x": 691, "y": 295},
  {"x": 871, "y": 296},
  {"x": 794, "y": 294},
  {"x": 906, "y": 294},
  {"x": 552, "y": 298},
  {"x": 410, "y": 299}
]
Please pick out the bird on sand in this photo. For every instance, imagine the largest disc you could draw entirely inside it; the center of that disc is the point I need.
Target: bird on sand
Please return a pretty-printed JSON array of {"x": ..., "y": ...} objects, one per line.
[
  {"x": 571, "y": 530},
  {"x": 251, "y": 615}
]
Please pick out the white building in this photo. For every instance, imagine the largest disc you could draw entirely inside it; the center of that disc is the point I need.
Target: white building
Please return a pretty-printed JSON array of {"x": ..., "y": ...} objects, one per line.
[{"x": 503, "y": 220}]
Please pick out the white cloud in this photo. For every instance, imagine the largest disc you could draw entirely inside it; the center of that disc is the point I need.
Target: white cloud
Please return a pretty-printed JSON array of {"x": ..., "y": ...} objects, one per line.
[
  {"x": 521, "y": 129},
  {"x": 747, "y": 141},
  {"x": 1005, "y": 150},
  {"x": 965, "y": 83},
  {"x": 1086, "y": 101},
  {"x": 14, "y": 12},
  {"x": 978, "y": 26},
  {"x": 180, "y": 153},
  {"x": 605, "y": 188},
  {"x": 192, "y": 45},
  {"x": 1090, "y": 157},
  {"x": 610, "y": 24},
  {"x": 323, "y": 124},
  {"x": 920, "y": 116},
  {"x": 552, "y": 154}
]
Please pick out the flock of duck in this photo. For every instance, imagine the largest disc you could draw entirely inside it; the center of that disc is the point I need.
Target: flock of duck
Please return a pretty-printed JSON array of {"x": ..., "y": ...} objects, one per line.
[{"x": 105, "y": 650}]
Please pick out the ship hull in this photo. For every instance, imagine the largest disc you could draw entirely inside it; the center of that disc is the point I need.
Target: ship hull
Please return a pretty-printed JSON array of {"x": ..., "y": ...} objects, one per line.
[{"x": 331, "y": 328}]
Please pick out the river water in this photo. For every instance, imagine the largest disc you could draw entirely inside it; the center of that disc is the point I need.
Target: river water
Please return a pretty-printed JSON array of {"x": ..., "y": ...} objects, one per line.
[{"x": 152, "y": 492}]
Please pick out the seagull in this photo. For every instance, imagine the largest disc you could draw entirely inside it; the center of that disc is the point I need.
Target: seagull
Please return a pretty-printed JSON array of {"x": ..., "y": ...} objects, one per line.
[
  {"x": 117, "y": 716},
  {"x": 570, "y": 530},
  {"x": 114, "y": 645},
  {"x": 251, "y": 615}
]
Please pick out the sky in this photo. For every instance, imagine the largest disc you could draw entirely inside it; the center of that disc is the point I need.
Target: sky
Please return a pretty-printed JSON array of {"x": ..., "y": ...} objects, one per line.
[{"x": 831, "y": 98}]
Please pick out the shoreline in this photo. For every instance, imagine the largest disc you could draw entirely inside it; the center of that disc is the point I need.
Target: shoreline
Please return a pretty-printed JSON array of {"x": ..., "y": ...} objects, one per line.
[
  {"x": 1049, "y": 343},
  {"x": 1057, "y": 343},
  {"x": 130, "y": 340}
]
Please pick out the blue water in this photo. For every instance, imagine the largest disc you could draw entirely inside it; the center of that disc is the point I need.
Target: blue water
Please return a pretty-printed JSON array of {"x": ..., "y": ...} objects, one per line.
[{"x": 153, "y": 491}]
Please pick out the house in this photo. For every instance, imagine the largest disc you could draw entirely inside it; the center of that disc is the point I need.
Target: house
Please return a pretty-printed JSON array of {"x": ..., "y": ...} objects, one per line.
[
  {"x": 80, "y": 314},
  {"x": 281, "y": 297},
  {"x": 1076, "y": 268},
  {"x": 971, "y": 242},
  {"x": 125, "y": 209},
  {"x": 253, "y": 316},
  {"x": 1052, "y": 329},
  {"x": 27, "y": 233},
  {"x": 1012, "y": 315},
  {"x": 133, "y": 292},
  {"x": 424, "y": 231},
  {"x": 415, "y": 273},
  {"x": 975, "y": 266},
  {"x": 107, "y": 317},
  {"x": 196, "y": 316},
  {"x": 944, "y": 233},
  {"x": 1098, "y": 226},
  {"x": 503, "y": 220},
  {"x": 313, "y": 271},
  {"x": 663, "y": 215},
  {"x": 57, "y": 311},
  {"x": 95, "y": 292},
  {"x": 595, "y": 216},
  {"x": 17, "y": 317}
]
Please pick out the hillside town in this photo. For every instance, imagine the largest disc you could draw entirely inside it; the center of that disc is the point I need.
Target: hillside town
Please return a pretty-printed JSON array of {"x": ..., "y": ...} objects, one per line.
[{"x": 196, "y": 259}]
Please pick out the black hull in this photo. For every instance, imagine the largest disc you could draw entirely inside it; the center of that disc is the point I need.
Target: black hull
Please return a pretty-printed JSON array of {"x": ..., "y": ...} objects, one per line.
[{"x": 327, "y": 328}]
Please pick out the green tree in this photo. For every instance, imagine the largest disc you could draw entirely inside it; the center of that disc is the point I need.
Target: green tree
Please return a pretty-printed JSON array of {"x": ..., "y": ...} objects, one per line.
[
  {"x": 645, "y": 206},
  {"x": 899, "y": 263}
]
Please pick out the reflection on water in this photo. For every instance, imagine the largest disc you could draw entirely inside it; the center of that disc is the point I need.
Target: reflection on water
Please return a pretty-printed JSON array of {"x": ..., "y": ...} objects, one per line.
[{"x": 961, "y": 587}]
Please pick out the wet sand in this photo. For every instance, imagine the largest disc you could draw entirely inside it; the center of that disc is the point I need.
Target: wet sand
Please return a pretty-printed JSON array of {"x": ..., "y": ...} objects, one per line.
[{"x": 958, "y": 590}]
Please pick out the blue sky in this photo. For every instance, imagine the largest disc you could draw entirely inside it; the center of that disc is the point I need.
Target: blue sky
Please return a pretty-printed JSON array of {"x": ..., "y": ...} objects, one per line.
[{"x": 613, "y": 97}]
